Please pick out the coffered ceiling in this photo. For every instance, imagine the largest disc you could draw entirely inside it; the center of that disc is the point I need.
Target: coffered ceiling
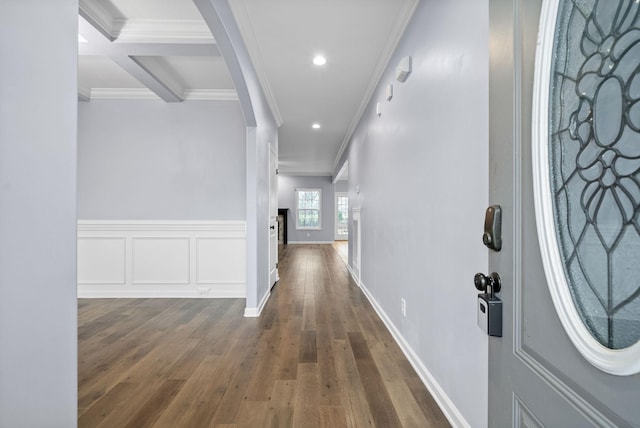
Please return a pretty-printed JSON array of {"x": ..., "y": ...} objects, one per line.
[{"x": 149, "y": 49}]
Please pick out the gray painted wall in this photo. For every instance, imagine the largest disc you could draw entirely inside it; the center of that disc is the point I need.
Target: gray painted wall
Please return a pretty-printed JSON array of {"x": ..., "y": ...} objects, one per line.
[
  {"x": 38, "y": 122},
  {"x": 152, "y": 160},
  {"x": 422, "y": 173},
  {"x": 341, "y": 186},
  {"x": 287, "y": 185}
]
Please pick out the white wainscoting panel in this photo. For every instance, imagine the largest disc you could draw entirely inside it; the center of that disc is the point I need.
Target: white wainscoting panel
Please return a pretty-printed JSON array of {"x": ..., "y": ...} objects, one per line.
[
  {"x": 161, "y": 258},
  {"x": 101, "y": 260},
  {"x": 217, "y": 261}
]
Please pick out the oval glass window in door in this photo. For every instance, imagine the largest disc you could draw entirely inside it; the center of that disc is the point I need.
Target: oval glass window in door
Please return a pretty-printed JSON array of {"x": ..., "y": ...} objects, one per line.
[{"x": 587, "y": 165}]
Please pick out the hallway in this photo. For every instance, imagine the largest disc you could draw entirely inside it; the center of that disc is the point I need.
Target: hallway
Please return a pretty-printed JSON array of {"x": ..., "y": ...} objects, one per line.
[{"x": 319, "y": 356}]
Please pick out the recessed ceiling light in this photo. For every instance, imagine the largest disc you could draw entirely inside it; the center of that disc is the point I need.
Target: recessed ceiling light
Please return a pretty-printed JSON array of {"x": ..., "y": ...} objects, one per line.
[
  {"x": 316, "y": 126},
  {"x": 319, "y": 60}
]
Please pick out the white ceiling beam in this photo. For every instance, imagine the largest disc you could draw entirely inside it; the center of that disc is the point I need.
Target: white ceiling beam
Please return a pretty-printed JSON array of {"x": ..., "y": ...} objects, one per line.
[
  {"x": 93, "y": 32},
  {"x": 99, "y": 18},
  {"x": 128, "y": 62},
  {"x": 144, "y": 75}
]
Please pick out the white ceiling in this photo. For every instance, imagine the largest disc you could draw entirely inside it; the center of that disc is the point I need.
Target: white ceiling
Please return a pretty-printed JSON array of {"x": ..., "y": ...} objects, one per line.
[{"x": 140, "y": 49}]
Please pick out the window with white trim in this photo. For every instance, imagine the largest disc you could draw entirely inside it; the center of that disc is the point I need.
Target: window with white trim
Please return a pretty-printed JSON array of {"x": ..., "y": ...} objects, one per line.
[{"x": 308, "y": 208}]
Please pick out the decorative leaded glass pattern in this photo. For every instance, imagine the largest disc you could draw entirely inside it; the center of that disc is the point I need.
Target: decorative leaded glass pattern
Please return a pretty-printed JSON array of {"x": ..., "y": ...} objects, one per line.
[{"x": 594, "y": 151}]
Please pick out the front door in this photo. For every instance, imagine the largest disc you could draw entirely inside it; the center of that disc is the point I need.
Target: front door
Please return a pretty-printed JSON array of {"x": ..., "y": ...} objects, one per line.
[{"x": 539, "y": 372}]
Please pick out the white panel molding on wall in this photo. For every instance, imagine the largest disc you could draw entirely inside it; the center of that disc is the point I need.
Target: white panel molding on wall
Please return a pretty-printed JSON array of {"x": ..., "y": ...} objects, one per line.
[{"x": 161, "y": 259}]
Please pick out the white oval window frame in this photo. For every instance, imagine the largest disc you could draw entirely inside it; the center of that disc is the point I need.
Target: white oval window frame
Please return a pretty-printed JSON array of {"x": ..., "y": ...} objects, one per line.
[{"x": 620, "y": 362}]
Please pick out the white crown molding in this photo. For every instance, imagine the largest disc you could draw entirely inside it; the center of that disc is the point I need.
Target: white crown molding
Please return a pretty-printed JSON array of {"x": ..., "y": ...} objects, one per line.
[
  {"x": 210, "y": 95},
  {"x": 306, "y": 174},
  {"x": 392, "y": 42},
  {"x": 163, "y": 31},
  {"x": 123, "y": 94},
  {"x": 147, "y": 94},
  {"x": 251, "y": 42}
]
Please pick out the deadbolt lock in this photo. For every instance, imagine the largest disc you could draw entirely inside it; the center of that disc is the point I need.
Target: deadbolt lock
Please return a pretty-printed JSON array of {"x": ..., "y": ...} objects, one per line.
[{"x": 492, "y": 236}]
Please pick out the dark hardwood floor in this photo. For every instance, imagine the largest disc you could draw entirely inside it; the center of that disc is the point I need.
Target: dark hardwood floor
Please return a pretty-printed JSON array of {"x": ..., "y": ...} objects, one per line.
[{"x": 319, "y": 356}]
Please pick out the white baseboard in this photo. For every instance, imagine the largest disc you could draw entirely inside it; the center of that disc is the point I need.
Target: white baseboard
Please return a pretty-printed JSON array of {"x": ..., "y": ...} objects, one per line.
[
  {"x": 310, "y": 242},
  {"x": 353, "y": 274},
  {"x": 451, "y": 412},
  {"x": 255, "y": 312},
  {"x": 177, "y": 259},
  {"x": 231, "y": 291}
]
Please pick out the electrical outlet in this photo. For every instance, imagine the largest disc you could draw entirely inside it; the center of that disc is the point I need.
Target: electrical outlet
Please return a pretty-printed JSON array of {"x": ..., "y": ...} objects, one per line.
[{"x": 403, "y": 307}]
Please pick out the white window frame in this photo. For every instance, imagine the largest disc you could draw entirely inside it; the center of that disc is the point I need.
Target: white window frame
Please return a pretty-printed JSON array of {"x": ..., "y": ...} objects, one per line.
[{"x": 319, "y": 226}]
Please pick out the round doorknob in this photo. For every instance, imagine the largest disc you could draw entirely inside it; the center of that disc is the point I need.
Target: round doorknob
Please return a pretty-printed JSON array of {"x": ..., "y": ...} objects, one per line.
[{"x": 482, "y": 282}]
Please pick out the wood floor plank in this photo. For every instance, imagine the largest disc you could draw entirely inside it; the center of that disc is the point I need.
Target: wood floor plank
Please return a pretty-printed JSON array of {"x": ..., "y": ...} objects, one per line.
[
  {"x": 330, "y": 387},
  {"x": 263, "y": 375},
  {"x": 306, "y": 410},
  {"x": 408, "y": 409},
  {"x": 98, "y": 378},
  {"x": 112, "y": 400},
  {"x": 288, "y": 363},
  {"x": 151, "y": 410},
  {"x": 246, "y": 345},
  {"x": 121, "y": 404},
  {"x": 333, "y": 417},
  {"x": 194, "y": 405},
  {"x": 355, "y": 402},
  {"x": 318, "y": 356},
  {"x": 255, "y": 414},
  {"x": 308, "y": 348},
  {"x": 427, "y": 404},
  {"x": 282, "y": 403},
  {"x": 382, "y": 409}
]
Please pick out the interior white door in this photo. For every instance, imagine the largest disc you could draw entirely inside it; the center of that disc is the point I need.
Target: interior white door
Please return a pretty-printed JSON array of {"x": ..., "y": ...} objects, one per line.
[
  {"x": 537, "y": 374},
  {"x": 273, "y": 218}
]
